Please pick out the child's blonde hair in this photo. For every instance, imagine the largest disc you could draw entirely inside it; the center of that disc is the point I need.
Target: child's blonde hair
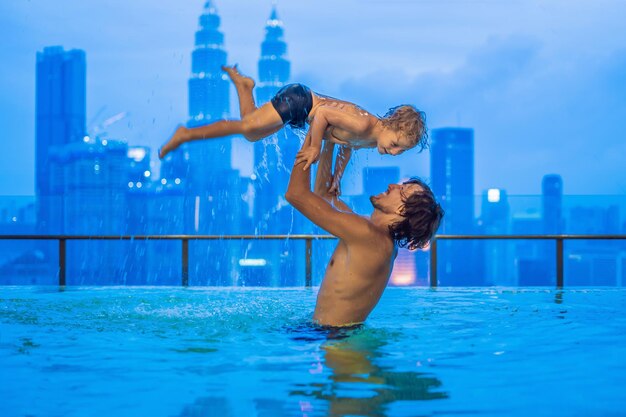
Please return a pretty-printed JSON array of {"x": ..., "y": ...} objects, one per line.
[{"x": 410, "y": 121}]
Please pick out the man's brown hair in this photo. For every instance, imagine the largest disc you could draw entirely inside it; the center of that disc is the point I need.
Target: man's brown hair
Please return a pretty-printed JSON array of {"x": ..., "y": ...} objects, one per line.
[{"x": 422, "y": 216}]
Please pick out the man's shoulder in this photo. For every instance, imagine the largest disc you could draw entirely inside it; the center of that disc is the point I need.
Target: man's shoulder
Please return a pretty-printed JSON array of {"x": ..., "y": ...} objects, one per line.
[
  {"x": 371, "y": 234},
  {"x": 371, "y": 252}
]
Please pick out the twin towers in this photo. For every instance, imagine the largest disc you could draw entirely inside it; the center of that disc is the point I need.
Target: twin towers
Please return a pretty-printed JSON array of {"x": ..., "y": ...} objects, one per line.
[{"x": 205, "y": 166}]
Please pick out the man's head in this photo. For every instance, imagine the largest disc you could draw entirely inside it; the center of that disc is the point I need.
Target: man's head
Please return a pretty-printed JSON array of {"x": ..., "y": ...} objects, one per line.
[
  {"x": 417, "y": 214},
  {"x": 404, "y": 128}
]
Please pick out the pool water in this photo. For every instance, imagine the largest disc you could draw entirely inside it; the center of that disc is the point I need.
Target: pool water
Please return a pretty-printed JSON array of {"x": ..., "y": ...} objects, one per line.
[{"x": 252, "y": 352}]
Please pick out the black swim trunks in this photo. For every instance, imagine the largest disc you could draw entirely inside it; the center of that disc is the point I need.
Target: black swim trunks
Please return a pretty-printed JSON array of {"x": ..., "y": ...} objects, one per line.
[
  {"x": 313, "y": 332},
  {"x": 293, "y": 102}
]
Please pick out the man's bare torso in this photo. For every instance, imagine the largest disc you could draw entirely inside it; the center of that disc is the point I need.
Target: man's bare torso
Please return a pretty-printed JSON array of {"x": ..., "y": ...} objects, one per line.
[
  {"x": 342, "y": 136},
  {"x": 355, "y": 278}
]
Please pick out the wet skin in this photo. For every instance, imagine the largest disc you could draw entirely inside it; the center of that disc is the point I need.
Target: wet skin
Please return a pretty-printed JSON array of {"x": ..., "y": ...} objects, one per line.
[
  {"x": 336, "y": 120},
  {"x": 371, "y": 133},
  {"x": 361, "y": 264}
]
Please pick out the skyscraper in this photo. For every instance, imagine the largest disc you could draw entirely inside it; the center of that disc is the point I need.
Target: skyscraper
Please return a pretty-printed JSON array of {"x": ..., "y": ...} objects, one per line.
[
  {"x": 60, "y": 119},
  {"x": 199, "y": 163},
  {"x": 208, "y": 100},
  {"x": 552, "y": 204},
  {"x": 94, "y": 176},
  {"x": 273, "y": 156},
  {"x": 495, "y": 220},
  {"x": 274, "y": 67},
  {"x": 211, "y": 200},
  {"x": 452, "y": 177},
  {"x": 203, "y": 168}
]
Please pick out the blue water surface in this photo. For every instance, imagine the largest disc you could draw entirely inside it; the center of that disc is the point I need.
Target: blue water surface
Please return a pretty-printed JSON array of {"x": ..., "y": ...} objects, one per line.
[{"x": 253, "y": 352}]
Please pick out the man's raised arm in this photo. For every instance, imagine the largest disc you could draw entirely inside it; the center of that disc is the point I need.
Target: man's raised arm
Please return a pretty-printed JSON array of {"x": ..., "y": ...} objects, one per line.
[{"x": 317, "y": 207}]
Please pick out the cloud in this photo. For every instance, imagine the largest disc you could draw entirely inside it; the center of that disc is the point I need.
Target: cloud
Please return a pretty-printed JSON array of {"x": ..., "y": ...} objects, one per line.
[
  {"x": 551, "y": 100},
  {"x": 531, "y": 115}
]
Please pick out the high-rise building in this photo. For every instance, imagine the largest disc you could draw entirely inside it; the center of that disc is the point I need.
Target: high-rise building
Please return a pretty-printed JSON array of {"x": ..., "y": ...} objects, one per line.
[
  {"x": 273, "y": 159},
  {"x": 452, "y": 177},
  {"x": 139, "y": 170},
  {"x": 208, "y": 85},
  {"x": 535, "y": 259},
  {"x": 94, "y": 175},
  {"x": 593, "y": 262},
  {"x": 211, "y": 200},
  {"x": 552, "y": 204},
  {"x": 274, "y": 68},
  {"x": 495, "y": 220},
  {"x": 208, "y": 101},
  {"x": 200, "y": 164},
  {"x": 211, "y": 186},
  {"x": 60, "y": 119},
  {"x": 155, "y": 207},
  {"x": 273, "y": 156},
  {"x": 452, "y": 181},
  {"x": 534, "y": 265},
  {"x": 495, "y": 210}
]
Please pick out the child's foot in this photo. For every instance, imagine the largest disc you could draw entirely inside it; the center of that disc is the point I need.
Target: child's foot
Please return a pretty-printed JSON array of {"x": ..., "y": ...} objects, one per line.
[
  {"x": 238, "y": 78},
  {"x": 175, "y": 141}
]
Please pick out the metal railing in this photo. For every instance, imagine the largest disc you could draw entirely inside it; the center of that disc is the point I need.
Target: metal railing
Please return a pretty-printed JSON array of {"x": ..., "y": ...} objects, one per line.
[
  {"x": 62, "y": 239},
  {"x": 308, "y": 247},
  {"x": 559, "y": 248}
]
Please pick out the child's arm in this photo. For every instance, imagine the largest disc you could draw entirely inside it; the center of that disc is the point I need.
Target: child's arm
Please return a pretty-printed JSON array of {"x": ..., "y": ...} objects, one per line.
[
  {"x": 343, "y": 157},
  {"x": 310, "y": 152},
  {"x": 324, "y": 177}
]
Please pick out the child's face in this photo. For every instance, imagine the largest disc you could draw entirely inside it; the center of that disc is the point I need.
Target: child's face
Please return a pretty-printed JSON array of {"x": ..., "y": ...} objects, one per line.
[{"x": 393, "y": 143}]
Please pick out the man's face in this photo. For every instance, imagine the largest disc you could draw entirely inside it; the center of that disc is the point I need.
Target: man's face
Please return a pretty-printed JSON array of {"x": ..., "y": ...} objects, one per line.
[
  {"x": 393, "y": 143},
  {"x": 392, "y": 200}
]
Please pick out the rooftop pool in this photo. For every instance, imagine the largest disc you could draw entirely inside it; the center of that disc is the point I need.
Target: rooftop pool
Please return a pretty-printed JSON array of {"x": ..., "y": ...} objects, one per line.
[{"x": 250, "y": 352}]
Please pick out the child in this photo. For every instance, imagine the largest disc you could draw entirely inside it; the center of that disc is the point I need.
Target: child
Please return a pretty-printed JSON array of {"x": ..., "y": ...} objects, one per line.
[{"x": 338, "y": 121}]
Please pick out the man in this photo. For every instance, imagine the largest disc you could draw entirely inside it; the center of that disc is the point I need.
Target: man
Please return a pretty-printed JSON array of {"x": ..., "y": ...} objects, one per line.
[{"x": 357, "y": 274}]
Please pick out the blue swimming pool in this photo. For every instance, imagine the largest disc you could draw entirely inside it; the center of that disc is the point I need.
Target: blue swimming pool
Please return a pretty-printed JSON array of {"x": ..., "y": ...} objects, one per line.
[{"x": 251, "y": 352}]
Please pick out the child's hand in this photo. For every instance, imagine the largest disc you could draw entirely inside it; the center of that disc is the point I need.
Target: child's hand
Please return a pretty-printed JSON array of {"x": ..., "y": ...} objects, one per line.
[
  {"x": 335, "y": 187},
  {"x": 309, "y": 155}
]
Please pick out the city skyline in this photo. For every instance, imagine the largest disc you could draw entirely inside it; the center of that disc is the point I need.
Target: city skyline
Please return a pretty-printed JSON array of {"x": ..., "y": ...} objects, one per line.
[
  {"x": 536, "y": 106},
  {"x": 91, "y": 183},
  {"x": 105, "y": 186}
]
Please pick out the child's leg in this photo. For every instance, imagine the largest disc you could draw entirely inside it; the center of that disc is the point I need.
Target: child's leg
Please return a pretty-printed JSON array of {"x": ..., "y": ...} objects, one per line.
[
  {"x": 256, "y": 125},
  {"x": 244, "y": 86}
]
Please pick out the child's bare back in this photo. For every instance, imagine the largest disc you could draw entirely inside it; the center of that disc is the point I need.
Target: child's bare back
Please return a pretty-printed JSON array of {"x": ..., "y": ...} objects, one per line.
[{"x": 340, "y": 135}]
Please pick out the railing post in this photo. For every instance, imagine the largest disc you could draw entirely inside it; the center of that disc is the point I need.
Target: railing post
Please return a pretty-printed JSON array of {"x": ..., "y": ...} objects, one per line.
[
  {"x": 433, "y": 262},
  {"x": 308, "y": 272},
  {"x": 62, "y": 262},
  {"x": 559, "y": 262},
  {"x": 185, "y": 263}
]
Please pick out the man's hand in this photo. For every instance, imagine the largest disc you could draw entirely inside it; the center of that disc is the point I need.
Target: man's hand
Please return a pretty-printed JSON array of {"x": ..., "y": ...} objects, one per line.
[{"x": 309, "y": 155}]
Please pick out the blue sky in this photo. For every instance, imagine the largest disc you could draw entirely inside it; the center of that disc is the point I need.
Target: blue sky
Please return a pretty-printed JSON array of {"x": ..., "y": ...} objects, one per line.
[{"x": 543, "y": 83}]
